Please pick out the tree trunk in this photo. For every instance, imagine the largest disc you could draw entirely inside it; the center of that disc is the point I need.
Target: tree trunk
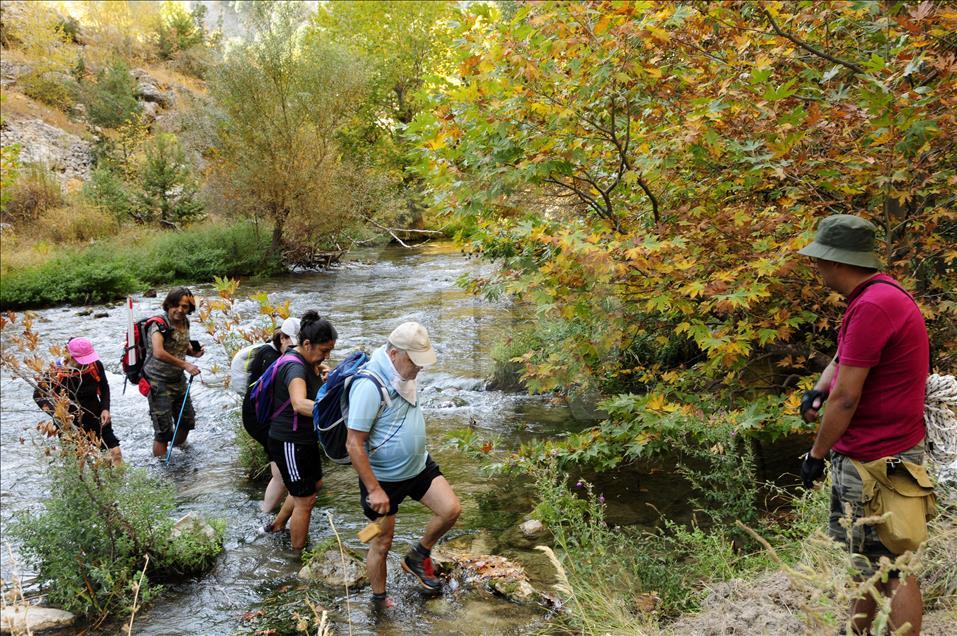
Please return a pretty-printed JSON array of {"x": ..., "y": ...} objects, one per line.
[{"x": 277, "y": 236}]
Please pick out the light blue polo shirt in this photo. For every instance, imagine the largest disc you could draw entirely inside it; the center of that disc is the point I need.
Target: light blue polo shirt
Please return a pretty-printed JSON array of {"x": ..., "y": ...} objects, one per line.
[{"x": 396, "y": 443}]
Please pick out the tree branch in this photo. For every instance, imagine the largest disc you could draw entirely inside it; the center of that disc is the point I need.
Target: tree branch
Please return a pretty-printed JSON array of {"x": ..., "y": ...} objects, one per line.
[
  {"x": 382, "y": 227},
  {"x": 807, "y": 47}
]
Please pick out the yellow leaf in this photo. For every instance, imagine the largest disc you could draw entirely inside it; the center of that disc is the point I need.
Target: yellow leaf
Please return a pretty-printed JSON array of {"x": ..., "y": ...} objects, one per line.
[
  {"x": 602, "y": 25},
  {"x": 659, "y": 34},
  {"x": 883, "y": 138}
]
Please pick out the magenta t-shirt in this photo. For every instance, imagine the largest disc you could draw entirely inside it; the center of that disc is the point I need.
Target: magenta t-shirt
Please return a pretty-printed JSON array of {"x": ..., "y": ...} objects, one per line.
[{"x": 884, "y": 330}]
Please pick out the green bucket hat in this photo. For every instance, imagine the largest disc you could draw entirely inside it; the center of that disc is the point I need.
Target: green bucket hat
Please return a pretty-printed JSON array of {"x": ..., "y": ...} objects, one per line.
[{"x": 844, "y": 238}]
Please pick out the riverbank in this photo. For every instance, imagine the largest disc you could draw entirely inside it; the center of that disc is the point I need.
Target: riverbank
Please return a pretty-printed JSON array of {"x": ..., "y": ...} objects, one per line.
[{"x": 37, "y": 274}]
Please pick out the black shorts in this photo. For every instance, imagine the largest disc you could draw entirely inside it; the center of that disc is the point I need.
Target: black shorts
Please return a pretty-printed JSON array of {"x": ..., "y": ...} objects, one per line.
[
  {"x": 299, "y": 464},
  {"x": 414, "y": 487},
  {"x": 107, "y": 437}
]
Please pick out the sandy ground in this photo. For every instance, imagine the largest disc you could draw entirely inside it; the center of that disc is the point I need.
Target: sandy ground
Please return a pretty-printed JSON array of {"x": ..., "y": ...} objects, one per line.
[{"x": 772, "y": 605}]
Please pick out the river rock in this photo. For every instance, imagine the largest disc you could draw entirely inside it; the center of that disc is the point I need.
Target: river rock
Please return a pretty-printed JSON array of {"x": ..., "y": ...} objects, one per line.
[
  {"x": 194, "y": 524},
  {"x": 532, "y": 529},
  {"x": 68, "y": 157},
  {"x": 26, "y": 619},
  {"x": 149, "y": 293},
  {"x": 455, "y": 402},
  {"x": 84, "y": 312},
  {"x": 101, "y": 314},
  {"x": 333, "y": 569},
  {"x": 501, "y": 576}
]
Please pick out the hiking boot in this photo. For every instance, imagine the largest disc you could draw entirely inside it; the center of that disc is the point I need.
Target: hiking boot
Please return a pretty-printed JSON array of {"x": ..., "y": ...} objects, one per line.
[{"x": 421, "y": 567}]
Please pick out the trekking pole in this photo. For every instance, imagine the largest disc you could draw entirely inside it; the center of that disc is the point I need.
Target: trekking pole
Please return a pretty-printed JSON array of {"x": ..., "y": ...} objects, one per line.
[{"x": 169, "y": 452}]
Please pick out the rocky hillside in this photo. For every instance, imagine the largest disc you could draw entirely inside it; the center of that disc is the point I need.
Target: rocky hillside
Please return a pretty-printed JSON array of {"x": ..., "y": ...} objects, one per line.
[
  {"x": 61, "y": 135},
  {"x": 63, "y": 142}
]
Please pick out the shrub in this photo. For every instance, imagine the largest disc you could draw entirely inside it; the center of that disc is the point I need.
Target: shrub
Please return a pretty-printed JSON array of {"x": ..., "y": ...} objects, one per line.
[
  {"x": 202, "y": 253},
  {"x": 194, "y": 61},
  {"x": 111, "y": 101},
  {"x": 108, "y": 190},
  {"x": 77, "y": 222},
  {"x": 9, "y": 171},
  {"x": 93, "y": 275},
  {"x": 113, "y": 268},
  {"x": 90, "y": 540},
  {"x": 179, "y": 29},
  {"x": 58, "y": 90},
  {"x": 34, "y": 192}
]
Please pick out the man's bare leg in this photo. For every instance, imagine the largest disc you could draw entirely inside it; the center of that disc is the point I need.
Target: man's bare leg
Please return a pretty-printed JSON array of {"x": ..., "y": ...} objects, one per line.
[
  {"x": 378, "y": 554},
  {"x": 445, "y": 507},
  {"x": 907, "y": 605}
]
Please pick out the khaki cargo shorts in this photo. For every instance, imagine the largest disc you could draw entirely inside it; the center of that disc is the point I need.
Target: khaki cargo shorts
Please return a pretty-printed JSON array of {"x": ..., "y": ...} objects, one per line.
[{"x": 846, "y": 490}]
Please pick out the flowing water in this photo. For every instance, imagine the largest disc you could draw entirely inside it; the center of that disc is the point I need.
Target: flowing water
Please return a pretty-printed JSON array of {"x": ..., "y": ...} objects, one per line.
[{"x": 365, "y": 299}]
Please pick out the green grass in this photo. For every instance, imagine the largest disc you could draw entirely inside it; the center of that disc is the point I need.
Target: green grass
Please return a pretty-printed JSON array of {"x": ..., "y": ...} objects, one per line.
[{"x": 110, "y": 269}]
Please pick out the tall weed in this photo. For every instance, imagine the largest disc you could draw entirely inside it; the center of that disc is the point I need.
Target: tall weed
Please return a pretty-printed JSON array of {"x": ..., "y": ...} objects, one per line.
[
  {"x": 78, "y": 222},
  {"x": 34, "y": 191}
]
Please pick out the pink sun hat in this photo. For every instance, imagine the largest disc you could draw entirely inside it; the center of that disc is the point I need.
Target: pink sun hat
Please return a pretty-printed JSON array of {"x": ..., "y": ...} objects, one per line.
[{"x": 81, "y": 350}]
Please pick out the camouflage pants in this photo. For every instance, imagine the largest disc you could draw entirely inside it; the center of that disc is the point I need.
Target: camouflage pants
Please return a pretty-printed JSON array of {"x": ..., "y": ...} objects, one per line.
[
  {"x": 166, "y": 399},
  {"x": 846, "y": 487}
]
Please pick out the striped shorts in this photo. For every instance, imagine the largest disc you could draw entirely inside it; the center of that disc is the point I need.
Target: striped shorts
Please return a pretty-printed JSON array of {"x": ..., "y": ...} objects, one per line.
[{"x": 299, "y": 464}]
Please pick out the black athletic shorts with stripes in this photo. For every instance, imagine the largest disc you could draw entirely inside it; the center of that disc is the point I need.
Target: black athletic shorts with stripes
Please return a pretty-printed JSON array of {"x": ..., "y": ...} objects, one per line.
[{"x": 299, "y": 464}]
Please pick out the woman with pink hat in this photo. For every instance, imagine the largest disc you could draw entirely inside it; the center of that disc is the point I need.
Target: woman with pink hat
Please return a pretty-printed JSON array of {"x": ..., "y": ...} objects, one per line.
[{"x": 81, "y": 379}]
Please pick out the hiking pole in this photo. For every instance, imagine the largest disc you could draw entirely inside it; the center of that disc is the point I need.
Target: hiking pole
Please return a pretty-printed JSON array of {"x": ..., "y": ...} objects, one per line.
[{"x": 169, "y": 452}]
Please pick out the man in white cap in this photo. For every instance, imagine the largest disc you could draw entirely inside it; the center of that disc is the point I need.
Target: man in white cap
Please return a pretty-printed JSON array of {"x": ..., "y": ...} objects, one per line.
[{"x": 387, "y": 446}]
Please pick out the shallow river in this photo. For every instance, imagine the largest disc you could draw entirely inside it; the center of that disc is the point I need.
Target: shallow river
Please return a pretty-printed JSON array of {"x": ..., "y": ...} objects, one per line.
[{"x": 365, "y": 298}]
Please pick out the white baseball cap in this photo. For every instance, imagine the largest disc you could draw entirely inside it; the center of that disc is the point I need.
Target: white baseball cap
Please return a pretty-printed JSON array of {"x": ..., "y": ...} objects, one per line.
[
  {"x": 413, "y": 338},
  {"x": 290, "y": 327}
]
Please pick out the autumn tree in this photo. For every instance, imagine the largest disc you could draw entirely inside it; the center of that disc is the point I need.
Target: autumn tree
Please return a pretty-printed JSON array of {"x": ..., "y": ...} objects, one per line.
[
  {"x": 280, "y": 104},
  {"x": 401, "y": 45},
  {"x": 644, "y": 173}
]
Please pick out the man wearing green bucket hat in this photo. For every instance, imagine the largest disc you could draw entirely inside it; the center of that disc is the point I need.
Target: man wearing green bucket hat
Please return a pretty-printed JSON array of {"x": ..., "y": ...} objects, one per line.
[{"x": 874, "y": 388}]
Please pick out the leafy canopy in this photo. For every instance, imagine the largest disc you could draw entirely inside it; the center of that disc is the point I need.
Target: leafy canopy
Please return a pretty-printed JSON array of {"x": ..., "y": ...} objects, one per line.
[{"x": 645, "y": 172}]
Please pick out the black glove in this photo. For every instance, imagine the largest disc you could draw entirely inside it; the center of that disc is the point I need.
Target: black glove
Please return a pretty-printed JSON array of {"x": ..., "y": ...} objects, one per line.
[
  {"x": 808, "y": 399},
  {"x": 811, "y": 470}
]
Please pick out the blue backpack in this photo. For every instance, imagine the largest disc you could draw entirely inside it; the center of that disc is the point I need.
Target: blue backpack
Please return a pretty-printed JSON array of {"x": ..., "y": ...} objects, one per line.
[
  {"x": 331, "y": 408},
  {"x": 263, "y": 390}
]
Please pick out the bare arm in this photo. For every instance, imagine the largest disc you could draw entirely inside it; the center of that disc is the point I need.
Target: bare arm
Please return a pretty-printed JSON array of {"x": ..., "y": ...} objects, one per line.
[
  {"x": 297, "y": 396},
  {"x": 842, "y": 404},
  {"x": 160, "y": 353},
  {"x": 356, "y": 445},
  {"x": 827, "y": 376}
]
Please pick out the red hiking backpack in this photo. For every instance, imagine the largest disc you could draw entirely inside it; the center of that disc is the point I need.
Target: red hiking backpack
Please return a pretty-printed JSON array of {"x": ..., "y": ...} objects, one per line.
[{"x": 137, "y": 341}]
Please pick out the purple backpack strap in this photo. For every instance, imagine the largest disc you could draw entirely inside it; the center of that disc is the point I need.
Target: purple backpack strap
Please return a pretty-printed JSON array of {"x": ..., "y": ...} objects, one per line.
[{"x": 283, "y": 359}]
